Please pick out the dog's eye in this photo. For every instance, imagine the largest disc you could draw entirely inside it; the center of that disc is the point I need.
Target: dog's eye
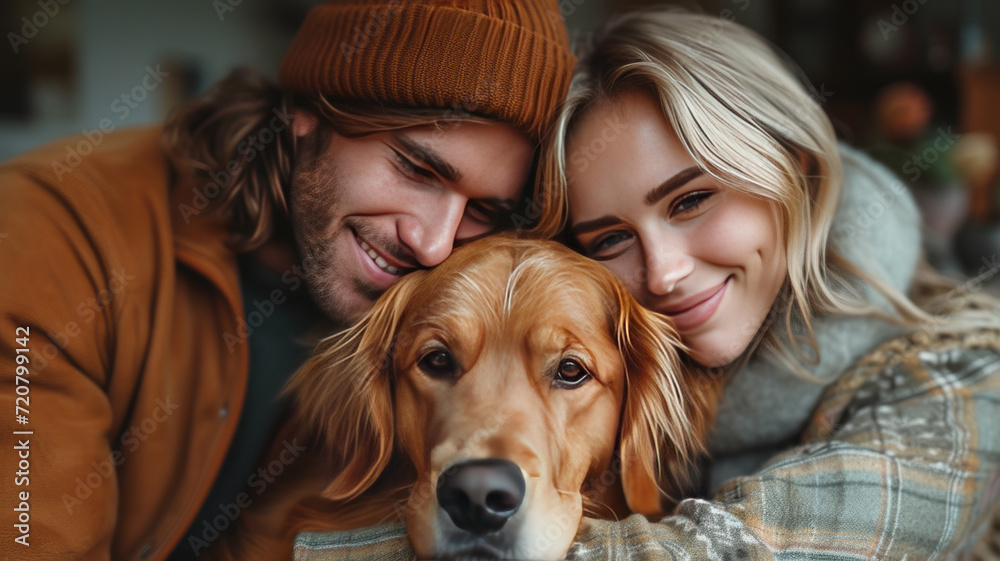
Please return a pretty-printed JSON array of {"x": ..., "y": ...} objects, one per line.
[
  {"x": 438, "y": 363},
  {"x": 571, "y": 374}
]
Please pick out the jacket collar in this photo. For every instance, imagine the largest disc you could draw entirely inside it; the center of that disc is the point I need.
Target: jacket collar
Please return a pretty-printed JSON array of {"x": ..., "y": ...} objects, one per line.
[{"x": 201, "y": 235}]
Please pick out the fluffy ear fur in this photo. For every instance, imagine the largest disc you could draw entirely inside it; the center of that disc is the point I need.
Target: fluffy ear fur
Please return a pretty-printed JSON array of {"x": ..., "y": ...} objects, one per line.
[
  {"x": 344, "y": 394},
  {"x": 668, "y": 410}
]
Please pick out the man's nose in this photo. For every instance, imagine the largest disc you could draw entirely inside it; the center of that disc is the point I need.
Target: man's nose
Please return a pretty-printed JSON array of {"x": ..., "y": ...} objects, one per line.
[{"x": 429, "y": 230}]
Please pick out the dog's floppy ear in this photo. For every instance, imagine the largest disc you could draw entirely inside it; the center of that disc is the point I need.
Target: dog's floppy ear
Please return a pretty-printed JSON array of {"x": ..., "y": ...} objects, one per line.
[
  {"x": 668, "y": 409},
  {"x": 343, "y": 394}
]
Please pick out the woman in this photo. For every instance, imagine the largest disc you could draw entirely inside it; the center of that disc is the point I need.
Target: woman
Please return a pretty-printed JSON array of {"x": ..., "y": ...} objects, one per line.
[{"x": 857, "y": 422}]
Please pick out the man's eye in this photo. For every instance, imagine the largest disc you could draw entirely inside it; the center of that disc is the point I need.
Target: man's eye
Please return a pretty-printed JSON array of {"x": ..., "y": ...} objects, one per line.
[
  {"x": 607, "y": 244},
  {"x": 411, "y": 169},
  {"x": 570, "y": 374},
  {"x": 487, "y": 214},
  {"x": 690, "y": 202},
  {"x": 438, "y": 363}
]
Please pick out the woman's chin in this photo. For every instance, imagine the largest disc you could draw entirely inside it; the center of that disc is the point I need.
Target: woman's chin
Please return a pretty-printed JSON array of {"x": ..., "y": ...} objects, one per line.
[{"x": 716, "y": 353}]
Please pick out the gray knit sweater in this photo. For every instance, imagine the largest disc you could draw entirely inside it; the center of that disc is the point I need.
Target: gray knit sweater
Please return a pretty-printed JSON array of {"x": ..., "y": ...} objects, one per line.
[{"x": 765, "y": 405}]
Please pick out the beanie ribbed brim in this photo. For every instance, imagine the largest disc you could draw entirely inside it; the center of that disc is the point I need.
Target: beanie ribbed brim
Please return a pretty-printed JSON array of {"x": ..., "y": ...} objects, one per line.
[{"x": 430, "y": 56}]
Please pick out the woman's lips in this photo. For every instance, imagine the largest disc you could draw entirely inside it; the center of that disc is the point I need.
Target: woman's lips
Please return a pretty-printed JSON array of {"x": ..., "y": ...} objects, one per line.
[{"x": 690, "y": 315}]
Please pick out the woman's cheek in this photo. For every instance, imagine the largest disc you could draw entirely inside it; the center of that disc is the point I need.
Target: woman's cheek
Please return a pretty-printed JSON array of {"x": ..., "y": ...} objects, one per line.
[{"x": 632, "y": 272}]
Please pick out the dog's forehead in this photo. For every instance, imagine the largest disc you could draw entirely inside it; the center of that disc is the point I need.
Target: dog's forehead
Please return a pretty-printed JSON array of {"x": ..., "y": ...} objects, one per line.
[
  {"x": 518, "y": 281},
  {"x": 543, "y": 298}
]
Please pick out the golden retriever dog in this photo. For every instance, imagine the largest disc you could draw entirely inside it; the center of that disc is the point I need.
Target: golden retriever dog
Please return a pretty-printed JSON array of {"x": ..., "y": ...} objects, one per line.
[{"x": 493, "y": 401}]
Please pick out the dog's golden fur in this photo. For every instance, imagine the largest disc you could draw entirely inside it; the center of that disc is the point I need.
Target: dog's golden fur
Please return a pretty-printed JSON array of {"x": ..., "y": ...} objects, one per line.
[{"x": 509, "y": 311}]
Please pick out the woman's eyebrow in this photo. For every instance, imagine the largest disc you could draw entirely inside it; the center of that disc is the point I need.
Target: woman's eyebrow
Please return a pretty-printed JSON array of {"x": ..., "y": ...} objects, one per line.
[
  {"x": 596, "y": 224},
  {"x": 676, "y": 182},
  {"x": 656, "y": 194}
]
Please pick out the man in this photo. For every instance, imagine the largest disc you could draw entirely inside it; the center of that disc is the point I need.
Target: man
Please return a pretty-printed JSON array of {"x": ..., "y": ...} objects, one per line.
[{"x": 153, "y": 293}]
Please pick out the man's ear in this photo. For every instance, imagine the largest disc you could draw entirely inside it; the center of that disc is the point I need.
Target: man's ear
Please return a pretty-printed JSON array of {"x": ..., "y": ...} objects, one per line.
[
  {"x": 304, "y": 122},
  {"x": 344, "y": 396}
]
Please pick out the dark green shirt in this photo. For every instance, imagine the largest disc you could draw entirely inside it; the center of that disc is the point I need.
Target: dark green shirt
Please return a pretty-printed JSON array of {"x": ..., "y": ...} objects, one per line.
[{"x": 279, "y": 316}]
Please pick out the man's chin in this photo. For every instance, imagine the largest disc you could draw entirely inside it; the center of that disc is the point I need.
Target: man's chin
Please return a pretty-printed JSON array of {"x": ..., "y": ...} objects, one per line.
[
  {"x": 343, "y": 305},
  {"x": 347, "y": 313}
]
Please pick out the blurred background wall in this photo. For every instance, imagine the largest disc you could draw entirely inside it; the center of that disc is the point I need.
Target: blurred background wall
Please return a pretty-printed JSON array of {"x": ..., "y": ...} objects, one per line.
[
  {"x": 916, "y": 83},
  {"x": 66, "y": 64}
]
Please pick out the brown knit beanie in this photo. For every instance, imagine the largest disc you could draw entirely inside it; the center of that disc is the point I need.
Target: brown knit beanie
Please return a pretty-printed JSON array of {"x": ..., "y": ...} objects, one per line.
[{"x": 504, "y": 59}]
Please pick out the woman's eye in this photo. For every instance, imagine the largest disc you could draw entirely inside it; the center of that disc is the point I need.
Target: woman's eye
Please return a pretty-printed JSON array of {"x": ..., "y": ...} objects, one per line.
[
  {"x": 604, "y": 245},
  {"x": 690, "y": 202},
  {"x": 438, "y": 363},
  {"x": 570, "y": 374}
]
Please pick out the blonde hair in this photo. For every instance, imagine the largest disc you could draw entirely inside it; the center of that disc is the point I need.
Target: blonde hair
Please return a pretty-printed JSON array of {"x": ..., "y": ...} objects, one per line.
[
  {"x": 745, "y": 116},
  {"x": 208, "y": 134}
]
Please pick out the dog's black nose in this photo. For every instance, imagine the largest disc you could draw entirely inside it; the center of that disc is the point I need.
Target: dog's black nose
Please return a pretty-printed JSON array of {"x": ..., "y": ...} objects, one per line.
[{"x": 481, "y": 495}]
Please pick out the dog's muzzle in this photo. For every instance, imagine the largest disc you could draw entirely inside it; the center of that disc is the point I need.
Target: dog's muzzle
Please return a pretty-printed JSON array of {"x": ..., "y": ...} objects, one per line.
[{"x": 480, "y": 496}]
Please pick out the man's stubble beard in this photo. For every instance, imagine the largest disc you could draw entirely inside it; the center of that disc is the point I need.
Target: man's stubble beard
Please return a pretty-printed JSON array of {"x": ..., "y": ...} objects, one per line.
[{"x": 315, "y": 198}]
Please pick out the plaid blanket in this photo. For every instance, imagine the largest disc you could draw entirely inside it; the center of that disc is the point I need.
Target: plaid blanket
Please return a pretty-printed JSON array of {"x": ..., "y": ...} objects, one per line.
[
  {"x": 378, "y": 543},
  {"x": 901, "y": 460}
]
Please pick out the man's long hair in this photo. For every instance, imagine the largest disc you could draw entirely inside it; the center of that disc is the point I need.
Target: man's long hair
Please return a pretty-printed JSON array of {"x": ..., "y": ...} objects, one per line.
[{"x": 240, "y": 130}]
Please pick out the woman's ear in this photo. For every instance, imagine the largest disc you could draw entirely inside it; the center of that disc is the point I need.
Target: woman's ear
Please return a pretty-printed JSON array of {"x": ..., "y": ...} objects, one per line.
[
  {"x": 343, "y": 393},
  {"x": 667, "y": 412}
]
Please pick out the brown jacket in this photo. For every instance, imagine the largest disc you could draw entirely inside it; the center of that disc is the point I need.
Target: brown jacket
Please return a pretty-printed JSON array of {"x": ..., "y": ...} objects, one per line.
[{"x": 128, "y": 295}]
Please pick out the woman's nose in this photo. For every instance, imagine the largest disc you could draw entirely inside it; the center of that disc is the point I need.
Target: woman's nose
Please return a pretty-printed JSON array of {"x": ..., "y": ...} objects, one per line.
[{"x": 666, "y": 266}]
